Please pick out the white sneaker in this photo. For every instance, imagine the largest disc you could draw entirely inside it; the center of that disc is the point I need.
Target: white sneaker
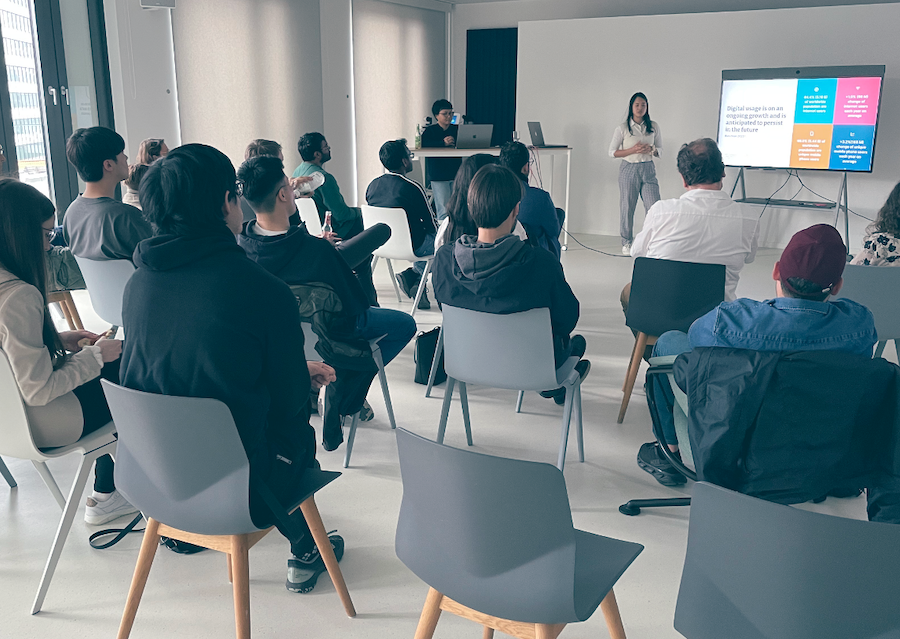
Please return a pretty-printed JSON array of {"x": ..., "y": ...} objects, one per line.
[
  {"x": 626, "y": 249},
  {"x": 113, "y": 507}
]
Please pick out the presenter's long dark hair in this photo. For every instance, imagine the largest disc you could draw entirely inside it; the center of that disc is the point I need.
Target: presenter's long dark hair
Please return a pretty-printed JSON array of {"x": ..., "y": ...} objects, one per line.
[
  {"x": 888, "y": 220},
  {"x": 648, "y": 123},
  {"x": 457, "y": 206}
]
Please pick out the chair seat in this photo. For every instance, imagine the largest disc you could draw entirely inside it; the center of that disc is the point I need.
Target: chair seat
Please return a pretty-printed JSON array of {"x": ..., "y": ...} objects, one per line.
[
  {"x": 599, "y": 562},
  {"x": 564, "y": 372},
  {"x": 88, "y": 443}
]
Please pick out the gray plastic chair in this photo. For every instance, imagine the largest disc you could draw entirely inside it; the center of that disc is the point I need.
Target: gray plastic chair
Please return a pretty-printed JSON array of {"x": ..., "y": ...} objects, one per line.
[
  {"x": 310, "y": 339},
  {"x": 513, "y": 351},
  {"x": 758, "y": 570},
  {"x": 106, "y": 280},
  {"x": 494, "y": 540},
  {"x": 309, "y": 215},
  {"x": 4, "y": 471},
  {"x": 16, "y": 441},
  {"x": 181, "y": 462},
  {"x": 876, "y": 288}
]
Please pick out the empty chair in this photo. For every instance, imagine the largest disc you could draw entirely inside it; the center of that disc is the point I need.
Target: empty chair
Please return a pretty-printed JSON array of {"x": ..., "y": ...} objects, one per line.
[
  {"x": 398, "y": 247},
  {"x": 106, "y": 280},
  {"x": 875, "y": 287},
  {"x": 757, "y": 570},
  {"x": 16, "y": 441},
  {"x": 181, "y": 462},
  {"x": 494, "y": 540},
  {"x": 666, "y": 295},
  {"x": 513, "y": 351},
  {"x": 309, "y": 215}
]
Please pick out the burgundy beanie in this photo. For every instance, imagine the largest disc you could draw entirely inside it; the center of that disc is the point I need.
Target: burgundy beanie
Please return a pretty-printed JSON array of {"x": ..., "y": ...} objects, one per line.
[{"x": 816, "y": 254}]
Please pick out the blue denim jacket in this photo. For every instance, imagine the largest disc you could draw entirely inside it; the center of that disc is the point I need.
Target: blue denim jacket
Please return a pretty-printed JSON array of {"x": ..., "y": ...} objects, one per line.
[{"x": 787, "y": 324}]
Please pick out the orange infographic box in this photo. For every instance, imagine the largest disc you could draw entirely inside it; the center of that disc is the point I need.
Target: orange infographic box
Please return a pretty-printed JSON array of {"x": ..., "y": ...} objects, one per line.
[{"x": 811, "y": 146}]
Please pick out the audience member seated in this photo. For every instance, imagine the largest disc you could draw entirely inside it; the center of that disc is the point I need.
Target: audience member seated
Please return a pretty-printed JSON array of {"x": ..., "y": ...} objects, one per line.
[
  {"x": 881, "y": 245},
  {"x": 346, "y": 221},
  {"x": 458, "y": 221},
  {"x": 215, "y": 324},
  {"x": 395, "y": 190},
  {"x": 494, "y": 271},
  {"x": 58, "y": 374},
  {"x": 800, "y": 318},
  {"x": 704, "y": 225},
  {"x": 151, "y": 150},
  {"x": 260, "y": 147},
  {"x": 541, "y": 219},
  {"x": 133, "y": 184},
  {"x": 96, "y": 225},
  {"x": 440, "y": 172},
  {"x": 294, "y": 256}
]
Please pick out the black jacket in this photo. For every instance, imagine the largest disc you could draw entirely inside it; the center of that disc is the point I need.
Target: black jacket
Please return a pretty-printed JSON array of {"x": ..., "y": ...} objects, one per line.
[
  {"x": 791, "y": 427},
  {"x": 396, "y": 191},
  {"x": 205, "y": 321},
  {"x": 440, "y": 169},
  {"x": 507, "y": 276}
]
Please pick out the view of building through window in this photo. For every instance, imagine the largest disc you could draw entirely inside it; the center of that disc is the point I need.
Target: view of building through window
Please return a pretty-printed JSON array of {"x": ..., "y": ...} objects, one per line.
[{"x": 23, "y": 74}]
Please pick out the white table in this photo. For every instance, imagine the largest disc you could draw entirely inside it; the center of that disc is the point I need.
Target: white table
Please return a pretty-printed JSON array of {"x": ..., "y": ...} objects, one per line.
[{"x": 551, "y": 152}]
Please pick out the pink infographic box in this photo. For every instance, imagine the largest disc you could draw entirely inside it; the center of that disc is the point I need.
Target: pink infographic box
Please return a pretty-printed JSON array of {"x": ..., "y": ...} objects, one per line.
[{"x": 856, "y": 101}]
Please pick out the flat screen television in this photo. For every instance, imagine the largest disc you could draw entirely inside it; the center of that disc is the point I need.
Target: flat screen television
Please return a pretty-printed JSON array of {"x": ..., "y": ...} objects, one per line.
[{"x": 822, "y": 118}]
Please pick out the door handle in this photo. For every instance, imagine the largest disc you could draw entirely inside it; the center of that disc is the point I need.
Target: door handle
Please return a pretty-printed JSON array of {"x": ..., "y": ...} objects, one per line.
[
  {"x": 65, "y": 92},
  {"x": 52, "y": 92}
]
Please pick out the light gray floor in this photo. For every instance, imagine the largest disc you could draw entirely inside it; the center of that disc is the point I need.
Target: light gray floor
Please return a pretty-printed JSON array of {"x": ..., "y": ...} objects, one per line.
[{"x": 191, "y": 597}]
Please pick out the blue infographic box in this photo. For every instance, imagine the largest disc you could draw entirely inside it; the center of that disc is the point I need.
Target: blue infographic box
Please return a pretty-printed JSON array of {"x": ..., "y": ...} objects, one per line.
[
  {"x": 851, "y": 147},
  {"x": 815, "y": 101}
]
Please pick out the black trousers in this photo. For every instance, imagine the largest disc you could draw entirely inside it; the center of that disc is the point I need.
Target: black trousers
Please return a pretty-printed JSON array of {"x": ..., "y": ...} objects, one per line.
[
  {"x": 96, "y": 414},
  {"x": 356, "y": 249}
]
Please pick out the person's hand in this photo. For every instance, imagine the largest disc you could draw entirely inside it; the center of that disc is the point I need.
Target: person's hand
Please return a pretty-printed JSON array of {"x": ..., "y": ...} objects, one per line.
[
  {"x": 320, "y": 374},
  {"x": 70, "y": 339},
  {"x": 297, "y": 181},
  {"x": 449, "y": 141},
  {"x": 110, "y": 349},
  {"x": 641, "y": 148},
  {"x": 331, "y": 237}
]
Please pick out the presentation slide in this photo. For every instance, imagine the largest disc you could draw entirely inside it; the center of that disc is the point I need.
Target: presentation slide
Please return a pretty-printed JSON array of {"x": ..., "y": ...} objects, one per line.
[{"x": 799, "y": 123}]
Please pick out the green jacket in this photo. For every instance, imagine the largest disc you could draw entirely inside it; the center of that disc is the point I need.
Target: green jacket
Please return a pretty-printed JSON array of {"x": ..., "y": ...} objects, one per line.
[{"x": 328, "y": 198}]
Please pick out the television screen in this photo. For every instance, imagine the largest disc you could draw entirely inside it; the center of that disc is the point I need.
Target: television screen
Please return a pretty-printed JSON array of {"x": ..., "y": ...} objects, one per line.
[{"x": 800, "y": 117}]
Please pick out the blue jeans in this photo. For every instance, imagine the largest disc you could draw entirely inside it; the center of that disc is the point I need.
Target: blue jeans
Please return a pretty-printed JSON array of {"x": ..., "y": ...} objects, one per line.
[
  {"x": 425, "y": 248},
  {"x": 669, "y": 343},
  {"x": 397, "y": 327},
  {"x": 441, "y": 192}
]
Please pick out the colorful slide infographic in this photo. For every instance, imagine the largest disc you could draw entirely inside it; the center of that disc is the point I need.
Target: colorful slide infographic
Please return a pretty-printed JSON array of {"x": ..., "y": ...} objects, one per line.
[{"x": 821, "y": 123}]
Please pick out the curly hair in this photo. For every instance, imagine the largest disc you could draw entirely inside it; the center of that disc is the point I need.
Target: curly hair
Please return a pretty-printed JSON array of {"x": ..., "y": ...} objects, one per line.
[
  {"x": 888, "y": 220},
  {"x": 700, "y": 162}
]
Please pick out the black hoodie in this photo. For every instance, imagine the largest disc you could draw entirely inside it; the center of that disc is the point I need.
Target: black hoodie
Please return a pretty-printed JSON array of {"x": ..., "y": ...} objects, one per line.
[{"x": 205, "y": 321}]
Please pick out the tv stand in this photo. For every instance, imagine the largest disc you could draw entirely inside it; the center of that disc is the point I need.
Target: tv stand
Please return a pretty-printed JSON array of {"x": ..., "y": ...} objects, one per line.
[{"x": 841, "y": 203}]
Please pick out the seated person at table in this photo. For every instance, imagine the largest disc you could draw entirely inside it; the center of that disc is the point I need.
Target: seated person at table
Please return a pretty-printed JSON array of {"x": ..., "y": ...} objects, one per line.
[
  {"x": 541, "y": 219},
  {"x": 395, "y": 190},
  {"x": 96, "y": 225},
  {"x": 212, "y": 323},
  {"x": 799, "y": 318},
  {"x": 58, "y": 374},
  {"x": 881, "y": 245},
  {"x": 294, "y": 256},
  {"x": 496, "y": 272}
]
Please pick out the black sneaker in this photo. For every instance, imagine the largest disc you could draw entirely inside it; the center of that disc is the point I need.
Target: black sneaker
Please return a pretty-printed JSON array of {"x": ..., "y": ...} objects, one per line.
[
  {"x": 304, "y": 571},
  {"x": 558, "y": 395},
  {"x": 651, "y": 459},
  {"x": 408, "y": 280},
  {"x": 579, "y": 346}
]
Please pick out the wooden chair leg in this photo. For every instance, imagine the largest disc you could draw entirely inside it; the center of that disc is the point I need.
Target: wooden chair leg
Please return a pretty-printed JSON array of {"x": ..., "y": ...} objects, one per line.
[
  {"x": 488, "y": 633},
  {"x": 141, "y": 572},
  {"x": 230, "y": 568},
  {"x": 317, "y": 528},
  {"x": 431, "y": 613},
  {"x": 73, "y": 311},
  {"x": 548, "y": 631},
  {"x": 639, "y": 345},
  {"x": 610, "y": 610},
  {"x": 240, "y": 563},
  {"x": 630, "y": 360},
  {"x": 66, "y": 314}
]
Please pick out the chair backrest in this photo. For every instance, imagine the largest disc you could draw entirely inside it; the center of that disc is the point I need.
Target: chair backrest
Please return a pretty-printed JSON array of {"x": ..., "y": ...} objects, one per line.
[
  {"x": 180, "y": 460},
  {"x": 15, "y": 434},
  {"x": 493, "y": 534},
  {"x": 309, "y": 214},
  {"x": 513, "y": 351},
  {"x": 760, "y": 570},
  {"x": 106, "y": 280},
  {"x": 399, "y": 245},
  {"x": 875, "y": 287},
  {"x": 667, "y": 295}
]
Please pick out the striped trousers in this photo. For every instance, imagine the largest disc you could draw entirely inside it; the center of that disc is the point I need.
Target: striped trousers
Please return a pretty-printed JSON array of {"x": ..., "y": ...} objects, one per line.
[{"x": 635, "y": 178}]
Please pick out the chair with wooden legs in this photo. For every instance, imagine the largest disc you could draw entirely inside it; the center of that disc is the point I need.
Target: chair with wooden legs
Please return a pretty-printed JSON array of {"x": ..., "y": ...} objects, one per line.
[
  {"x": 494, "y": 540},
  {"x": 666, "y": 295},
  {"x": 67, "y": 307},
  {"x": 182, "y": 463}
]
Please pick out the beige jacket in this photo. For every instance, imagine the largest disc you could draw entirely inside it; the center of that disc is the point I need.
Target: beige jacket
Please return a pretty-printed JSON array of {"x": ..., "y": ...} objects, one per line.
[{"x": 53, "y": 410}]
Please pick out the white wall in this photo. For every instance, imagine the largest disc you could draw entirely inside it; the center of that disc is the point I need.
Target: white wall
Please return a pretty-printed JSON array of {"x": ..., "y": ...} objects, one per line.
[
  {"x": 579, "y": 82},
  {"x": 142, "y": 73}
]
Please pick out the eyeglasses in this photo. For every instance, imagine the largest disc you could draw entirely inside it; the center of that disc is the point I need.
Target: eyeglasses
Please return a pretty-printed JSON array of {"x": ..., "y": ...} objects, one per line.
[
  {"x": 49, "y": 233},
  {"x": 412, "y": 156}
]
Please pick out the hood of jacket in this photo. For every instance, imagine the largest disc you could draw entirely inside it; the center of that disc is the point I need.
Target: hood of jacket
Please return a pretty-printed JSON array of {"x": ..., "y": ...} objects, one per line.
[
  {"x": 272, "y": 252},
  {"x": 168, "y": 252},
  {"x": 478, "y": 260}
]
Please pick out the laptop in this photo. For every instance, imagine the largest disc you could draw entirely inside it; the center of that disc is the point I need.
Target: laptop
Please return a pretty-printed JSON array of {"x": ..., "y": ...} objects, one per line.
[
  {"x": 537, "y": 137},
  {"x": 474, "y": 136}
]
